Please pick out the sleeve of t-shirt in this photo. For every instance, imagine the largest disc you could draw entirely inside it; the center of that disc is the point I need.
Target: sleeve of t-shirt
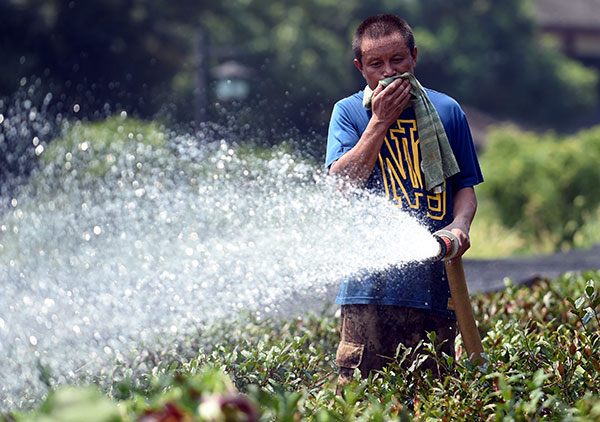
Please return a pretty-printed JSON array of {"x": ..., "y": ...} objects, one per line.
[
  {"x": 342, "y": 135},
  {"x": 463, "y": 146}
]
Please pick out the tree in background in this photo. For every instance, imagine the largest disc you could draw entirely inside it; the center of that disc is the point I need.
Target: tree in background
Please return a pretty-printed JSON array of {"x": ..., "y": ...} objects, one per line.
[
  {"x": 126, "y": 53},
  {"x": 544, "y": 185},
  {"x": 489, "y": 55},
  {"x": 142, "y": 56},
  {"x": 87, "y": 59}
]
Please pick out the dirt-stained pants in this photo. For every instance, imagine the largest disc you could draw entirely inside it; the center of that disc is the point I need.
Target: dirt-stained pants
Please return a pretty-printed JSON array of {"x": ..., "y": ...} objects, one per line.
[{"x": 370, "y": 335}]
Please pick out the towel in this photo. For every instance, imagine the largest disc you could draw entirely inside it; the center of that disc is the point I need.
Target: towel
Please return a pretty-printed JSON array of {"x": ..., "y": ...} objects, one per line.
[{"x": 438, "y": 161}]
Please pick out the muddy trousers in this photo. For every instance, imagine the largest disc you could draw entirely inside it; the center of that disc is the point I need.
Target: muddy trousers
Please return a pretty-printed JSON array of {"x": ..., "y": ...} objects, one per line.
[{"x": 370, "y": 335}]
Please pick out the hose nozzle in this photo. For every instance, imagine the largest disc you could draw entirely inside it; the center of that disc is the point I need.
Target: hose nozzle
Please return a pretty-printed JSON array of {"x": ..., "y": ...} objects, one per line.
[{"x": 448, "y": 245}]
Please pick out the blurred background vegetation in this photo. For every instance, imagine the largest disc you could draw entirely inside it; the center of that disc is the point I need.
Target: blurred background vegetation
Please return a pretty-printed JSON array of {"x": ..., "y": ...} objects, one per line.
[
  {"x": 278, "y": 68},
  {"x": 148, "y": 56}
]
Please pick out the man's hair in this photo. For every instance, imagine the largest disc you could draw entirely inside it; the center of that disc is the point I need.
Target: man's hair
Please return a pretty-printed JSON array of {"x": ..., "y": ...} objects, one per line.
[{"x": 379, "y": 26}]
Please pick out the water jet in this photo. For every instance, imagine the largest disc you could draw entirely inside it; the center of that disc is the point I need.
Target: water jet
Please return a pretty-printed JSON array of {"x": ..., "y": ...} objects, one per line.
[{"x": 129, "y": 239}]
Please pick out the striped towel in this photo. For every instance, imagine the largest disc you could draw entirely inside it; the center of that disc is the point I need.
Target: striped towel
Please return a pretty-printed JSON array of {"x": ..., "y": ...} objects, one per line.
[{"x": 438, "y": 161}]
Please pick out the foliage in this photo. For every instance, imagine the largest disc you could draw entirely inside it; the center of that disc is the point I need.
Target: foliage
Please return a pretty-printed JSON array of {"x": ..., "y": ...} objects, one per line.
[
  {"x": 143, "y": 56},
  {"x": 490, "y": 239},
  {"x": 544, "y": 185},
  {"x": 72, "y": 404},
  {"x": 542, "y": 364},
  {"x": 126, "y": 53},
  {"x": 495, "y": 47},
  {"x": 126, "y": 148},
  {"x": 462, "y": 45},
  {"x": 92, "y": 149}
]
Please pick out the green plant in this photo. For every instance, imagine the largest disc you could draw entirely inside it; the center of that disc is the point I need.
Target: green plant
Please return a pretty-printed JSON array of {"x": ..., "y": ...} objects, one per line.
[
  {"x": 543, "y": 185},
  {"x": 93, "y": 149},
  {"x": 541, "y": 346}
]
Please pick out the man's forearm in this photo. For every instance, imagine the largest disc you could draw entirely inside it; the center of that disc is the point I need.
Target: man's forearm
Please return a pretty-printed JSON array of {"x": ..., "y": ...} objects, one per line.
[
  {"x": 387, "y": 104},
  {"x": 464, "y": 208},
  {"x": 358, "y": 163}
]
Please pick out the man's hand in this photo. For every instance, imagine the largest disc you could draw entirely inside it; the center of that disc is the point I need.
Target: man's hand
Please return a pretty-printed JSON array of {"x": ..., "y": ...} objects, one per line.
[
  {"x": 387, "y": 105},
  {"x": 389, "y": 102},
  {"x": 465, "y": 205},
  {"x": 462, "y": 234}
]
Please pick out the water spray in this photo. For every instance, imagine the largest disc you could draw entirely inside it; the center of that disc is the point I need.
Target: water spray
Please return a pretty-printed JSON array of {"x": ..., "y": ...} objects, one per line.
[{"x": 98, "y": 269}]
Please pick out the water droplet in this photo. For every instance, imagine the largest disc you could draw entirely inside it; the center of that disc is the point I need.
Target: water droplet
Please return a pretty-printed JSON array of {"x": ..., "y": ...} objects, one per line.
[
  {"x": 33, "y": 340},
  {"x": 216, "y": 231}
]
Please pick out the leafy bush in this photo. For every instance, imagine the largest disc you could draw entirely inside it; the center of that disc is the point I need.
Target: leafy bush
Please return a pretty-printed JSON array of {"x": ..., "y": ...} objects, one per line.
[
  {"x": 541, "y": 343},
  {"x": 544, "y": 185},
  {"x": 93, "y": 149},
  {"x": 470, "y": 52}
]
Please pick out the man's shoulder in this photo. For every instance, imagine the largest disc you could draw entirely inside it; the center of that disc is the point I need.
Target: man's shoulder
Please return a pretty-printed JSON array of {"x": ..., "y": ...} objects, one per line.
[
  {"x": 352, "y": 111},
  {"x": 441, "y": 100},
  {"x": 447, "y": 107},
  {"x": 353, "y": 101}
]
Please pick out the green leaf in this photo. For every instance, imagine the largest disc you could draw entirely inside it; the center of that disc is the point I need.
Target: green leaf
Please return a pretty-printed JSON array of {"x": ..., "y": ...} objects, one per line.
[
  {"x": 590, "y": 313},
  {"x": 76, "y": 404},
  {"x": 590, "y": 289}
]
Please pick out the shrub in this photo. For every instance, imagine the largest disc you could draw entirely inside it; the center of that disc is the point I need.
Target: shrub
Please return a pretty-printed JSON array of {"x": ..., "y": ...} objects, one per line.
[
  {"x": 541, "y": 343},
  {"x": 545, "y": 185},
  {"x": 94, "y": 149}
]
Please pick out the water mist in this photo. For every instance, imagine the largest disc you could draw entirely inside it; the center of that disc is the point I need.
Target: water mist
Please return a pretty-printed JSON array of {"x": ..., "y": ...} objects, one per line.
[{"x": 121, "y": 244}]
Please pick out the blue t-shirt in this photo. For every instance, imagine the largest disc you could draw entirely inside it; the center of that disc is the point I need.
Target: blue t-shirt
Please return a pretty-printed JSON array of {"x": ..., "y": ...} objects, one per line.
[{"x": 398, "y": 175}]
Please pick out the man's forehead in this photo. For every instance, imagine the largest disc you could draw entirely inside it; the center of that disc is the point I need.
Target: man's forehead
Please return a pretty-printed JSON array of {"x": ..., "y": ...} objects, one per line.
[{"x": 393, "y": 41}]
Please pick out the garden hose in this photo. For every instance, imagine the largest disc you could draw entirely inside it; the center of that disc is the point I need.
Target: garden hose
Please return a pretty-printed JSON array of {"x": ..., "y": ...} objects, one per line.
[{"x": 460, "y": 294}]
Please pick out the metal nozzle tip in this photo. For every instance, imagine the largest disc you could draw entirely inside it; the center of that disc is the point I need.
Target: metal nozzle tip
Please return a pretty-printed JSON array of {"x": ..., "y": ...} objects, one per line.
[{"x": 448, "y": 245}]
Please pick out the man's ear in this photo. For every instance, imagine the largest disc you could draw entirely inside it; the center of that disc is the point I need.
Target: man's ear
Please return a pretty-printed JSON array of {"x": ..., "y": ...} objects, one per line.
[{"x": 358, "y": 65}]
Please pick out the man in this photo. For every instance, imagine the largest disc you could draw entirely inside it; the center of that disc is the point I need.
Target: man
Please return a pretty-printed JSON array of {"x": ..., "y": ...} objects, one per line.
[{"x": 380, "y": 150}]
